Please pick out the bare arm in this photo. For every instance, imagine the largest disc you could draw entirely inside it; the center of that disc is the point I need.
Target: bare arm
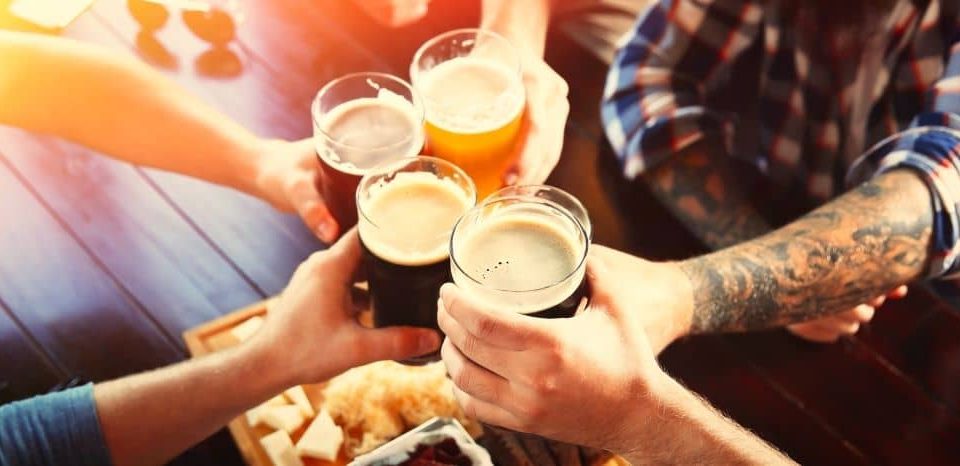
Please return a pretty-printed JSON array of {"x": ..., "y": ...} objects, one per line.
[
  {"x": 310, "y": 335},
  {"x": 858, "y": 246},
  {"x": 523, "y": 23},
  {"x": 121, "y": 107},
  {"x": 150, "y": 418},
  {"x": 700, "y": 188},
  {"x": 690, "y": 431}
]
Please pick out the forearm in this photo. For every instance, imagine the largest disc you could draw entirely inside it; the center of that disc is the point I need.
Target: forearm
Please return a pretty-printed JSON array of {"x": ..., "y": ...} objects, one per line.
[
  {"x": 523, "y": 23},
  {"x": 861, "y": 245},
  {"x": 700, "y": 188},
  {"x": 121, "y": 107},
  {"x": 687, "y": 430},
  {"x": 151, "y": 417}
]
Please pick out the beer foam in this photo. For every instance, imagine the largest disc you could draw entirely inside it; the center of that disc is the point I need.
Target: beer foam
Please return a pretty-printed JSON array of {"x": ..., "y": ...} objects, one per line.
[
  {"x": 520, "y": 252},
  {"x": 369, "y": 131},
  {"x": 471, "y": 95},
  {"x": 407, "y": 221}
]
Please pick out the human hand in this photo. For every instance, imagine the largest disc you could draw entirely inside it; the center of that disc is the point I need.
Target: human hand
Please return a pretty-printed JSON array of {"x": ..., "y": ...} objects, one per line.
[
  {"x": 544, "y": 120},
  {"x": 584, "y": 380},
  {"x": 287, "y": 178},
  {"x": 312, "y": 330},
  {"x": 394, "y": 13},
  {"x": 830, "y": 328}
]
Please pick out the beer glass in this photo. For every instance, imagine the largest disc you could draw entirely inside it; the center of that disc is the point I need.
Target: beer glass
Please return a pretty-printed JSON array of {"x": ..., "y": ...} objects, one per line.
[
  {"x": 407, "y": 209},
  {"x": 524, "y": 254},
  {"x": 359, "y": 121},
  {"x": 471, "y": 84}
]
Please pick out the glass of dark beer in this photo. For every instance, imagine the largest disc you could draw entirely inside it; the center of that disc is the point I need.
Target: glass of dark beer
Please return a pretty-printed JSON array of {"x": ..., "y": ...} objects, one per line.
[
  {"x": 522, "y": 253},
  {"x": 407, "y": 209},
  {"x": 360, "y": 121}
]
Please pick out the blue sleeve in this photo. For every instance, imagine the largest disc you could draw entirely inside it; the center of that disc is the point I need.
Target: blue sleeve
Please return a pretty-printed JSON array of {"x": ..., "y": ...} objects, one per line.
[{"x": 56, "y": 429}]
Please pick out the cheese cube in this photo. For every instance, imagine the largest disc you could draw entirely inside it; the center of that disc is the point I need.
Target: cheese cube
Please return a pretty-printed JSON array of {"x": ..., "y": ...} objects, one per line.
[
  {"x": 280, "y": 449},
  {"x": 253, "y": 415},
  {"x": 322, "y": 439},
  {"x": 286, "y": 418},
  {"x": 299, "y": 398},
  {"x": 247, "y": 328}
]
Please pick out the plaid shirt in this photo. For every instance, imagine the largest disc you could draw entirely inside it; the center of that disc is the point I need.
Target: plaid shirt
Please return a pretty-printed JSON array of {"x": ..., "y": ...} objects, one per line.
[{"x": 737, "y": 74}]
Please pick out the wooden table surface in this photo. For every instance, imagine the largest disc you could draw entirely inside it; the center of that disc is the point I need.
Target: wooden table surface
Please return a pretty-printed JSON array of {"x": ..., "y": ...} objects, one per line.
[{"x": 103, "y": 265}]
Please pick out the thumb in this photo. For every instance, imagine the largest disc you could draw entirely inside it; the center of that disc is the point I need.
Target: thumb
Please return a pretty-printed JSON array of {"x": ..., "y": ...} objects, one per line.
[
  {"x": 312, "y": 210},
  {"x": 397, "y": 343}
]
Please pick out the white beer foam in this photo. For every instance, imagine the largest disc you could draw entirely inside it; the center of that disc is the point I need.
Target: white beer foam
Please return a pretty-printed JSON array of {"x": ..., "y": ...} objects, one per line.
[
  {"x": 471, "y": 95},
  {"x": 522, "y": 259},
  {"x": 408, "y": 220},
  {"x": 369, "y": 131}
]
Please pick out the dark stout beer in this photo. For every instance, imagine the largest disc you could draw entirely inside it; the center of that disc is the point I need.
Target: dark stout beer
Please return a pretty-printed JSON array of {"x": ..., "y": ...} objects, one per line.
[
  {"x": 405, "y": 223},
  {"x": 522, "y": 256}
]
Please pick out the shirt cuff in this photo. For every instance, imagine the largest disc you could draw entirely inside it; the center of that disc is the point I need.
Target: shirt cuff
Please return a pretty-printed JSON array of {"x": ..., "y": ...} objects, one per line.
[{"x": 931, "y": 148}]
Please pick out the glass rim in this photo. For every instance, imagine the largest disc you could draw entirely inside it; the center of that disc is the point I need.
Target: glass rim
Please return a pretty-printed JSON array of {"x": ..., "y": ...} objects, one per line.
[
  {"x": 506, "y": 193},
  {"x": 476, "y": 209},
  {"x": 514, "y": 53},
  {"x": 388, "y": 166},
  {"x": 415, "y": 101}
]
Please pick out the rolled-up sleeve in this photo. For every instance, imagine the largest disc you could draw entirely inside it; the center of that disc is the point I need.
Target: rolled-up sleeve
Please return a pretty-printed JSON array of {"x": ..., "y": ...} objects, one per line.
[
  {"x": 653, "y": 102},
  {"x": 56, "y": 429},
  {"x": 931, "y": 147}
]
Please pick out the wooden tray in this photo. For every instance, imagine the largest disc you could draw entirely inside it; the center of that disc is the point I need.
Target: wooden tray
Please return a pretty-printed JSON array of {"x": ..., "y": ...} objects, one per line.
[{"x": 506, "y": 448}]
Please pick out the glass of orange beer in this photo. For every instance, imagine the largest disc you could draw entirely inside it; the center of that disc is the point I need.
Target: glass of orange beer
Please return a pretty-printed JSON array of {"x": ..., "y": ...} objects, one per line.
[{"x": 471, "y": 85}]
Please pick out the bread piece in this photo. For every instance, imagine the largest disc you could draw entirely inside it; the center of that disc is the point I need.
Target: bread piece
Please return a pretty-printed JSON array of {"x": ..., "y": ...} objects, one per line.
[
  {"x": 565, "y": 453},
  {"x": 377, "y": 402},
  {"x": 287, "y": 418},
  {"x": 505, "y": 447}
]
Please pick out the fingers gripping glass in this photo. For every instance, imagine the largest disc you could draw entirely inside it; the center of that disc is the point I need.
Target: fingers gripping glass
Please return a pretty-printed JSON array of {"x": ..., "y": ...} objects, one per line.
[{"x": 522, "y": 253}]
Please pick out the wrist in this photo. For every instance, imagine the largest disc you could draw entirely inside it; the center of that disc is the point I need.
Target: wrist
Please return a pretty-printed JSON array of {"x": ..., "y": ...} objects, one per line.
[
  {"x": 268, "y": 365},
  {"x": 524, "y": 24},
  {"x": 682, "y": 297}
]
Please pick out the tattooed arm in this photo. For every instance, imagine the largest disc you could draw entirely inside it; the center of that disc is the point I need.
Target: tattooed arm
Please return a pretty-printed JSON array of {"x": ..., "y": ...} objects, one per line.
[
  {"x": 700, "y": 187},
  {"x": 856, "y": 247}
]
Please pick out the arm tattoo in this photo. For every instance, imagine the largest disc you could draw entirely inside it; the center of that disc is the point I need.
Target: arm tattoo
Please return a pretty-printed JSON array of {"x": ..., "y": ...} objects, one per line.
[
  {"x": 700, "y": 188},
  {"x": 856, "y": 247}
]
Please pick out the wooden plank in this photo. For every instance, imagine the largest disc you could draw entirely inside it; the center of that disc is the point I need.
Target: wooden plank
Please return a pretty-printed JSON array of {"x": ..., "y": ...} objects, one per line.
[
  {"x": 742, "y": 393},
  {"x": 876, "y": 409},
  {"x": 25, "y": 370},
  {"x": 919, "y": 337},
  {"x": 65, "y": 298},
  {"x": 264, "y": 244},
  {"x": 169, "y": 268}
]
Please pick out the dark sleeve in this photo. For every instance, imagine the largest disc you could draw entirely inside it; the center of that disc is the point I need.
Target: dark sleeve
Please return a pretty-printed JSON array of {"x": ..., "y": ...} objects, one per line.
[{"x": 56, "y": 429}]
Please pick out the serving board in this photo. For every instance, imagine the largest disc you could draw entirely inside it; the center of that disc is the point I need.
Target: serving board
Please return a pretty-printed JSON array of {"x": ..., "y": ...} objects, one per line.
[{"x": 506, "y": 448}]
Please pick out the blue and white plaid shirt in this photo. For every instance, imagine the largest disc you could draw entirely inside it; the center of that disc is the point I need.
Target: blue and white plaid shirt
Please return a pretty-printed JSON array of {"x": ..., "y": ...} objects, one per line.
[{"x": 792, "y": 101}]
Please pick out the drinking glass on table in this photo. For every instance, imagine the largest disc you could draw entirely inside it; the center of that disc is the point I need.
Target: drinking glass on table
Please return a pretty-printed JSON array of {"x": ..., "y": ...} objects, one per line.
[
  {"x": 360, "y": 121},
  {"x": 407, "y": 209},
  {"x": 474, "y": 98},
  {"x": 522, "y": 253}
]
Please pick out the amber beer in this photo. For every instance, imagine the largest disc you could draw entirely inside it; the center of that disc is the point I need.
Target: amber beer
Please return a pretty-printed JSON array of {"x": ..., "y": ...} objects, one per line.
[
  {"x": 407, "y": 209},
  {"x": 474, "y": 100},
  {"x": 523, "y": 254},
  {"x": 360, "y": 121}
]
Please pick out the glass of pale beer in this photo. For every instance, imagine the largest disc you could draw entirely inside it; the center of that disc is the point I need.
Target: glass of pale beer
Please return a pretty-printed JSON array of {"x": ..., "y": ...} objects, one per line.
[
  {"x": 360, "y": 121},
  {"x": 471, "y": 84}
]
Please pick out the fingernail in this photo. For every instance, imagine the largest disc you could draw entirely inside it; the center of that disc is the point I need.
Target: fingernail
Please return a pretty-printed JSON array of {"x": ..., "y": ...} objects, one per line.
[
  {"x": 327, "y": 231},
  {"x": 510, "y": 178}
]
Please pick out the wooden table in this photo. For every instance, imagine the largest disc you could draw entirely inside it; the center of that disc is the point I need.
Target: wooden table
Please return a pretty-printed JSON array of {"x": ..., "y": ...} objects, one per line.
[{"x": 103, "y": 265}]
